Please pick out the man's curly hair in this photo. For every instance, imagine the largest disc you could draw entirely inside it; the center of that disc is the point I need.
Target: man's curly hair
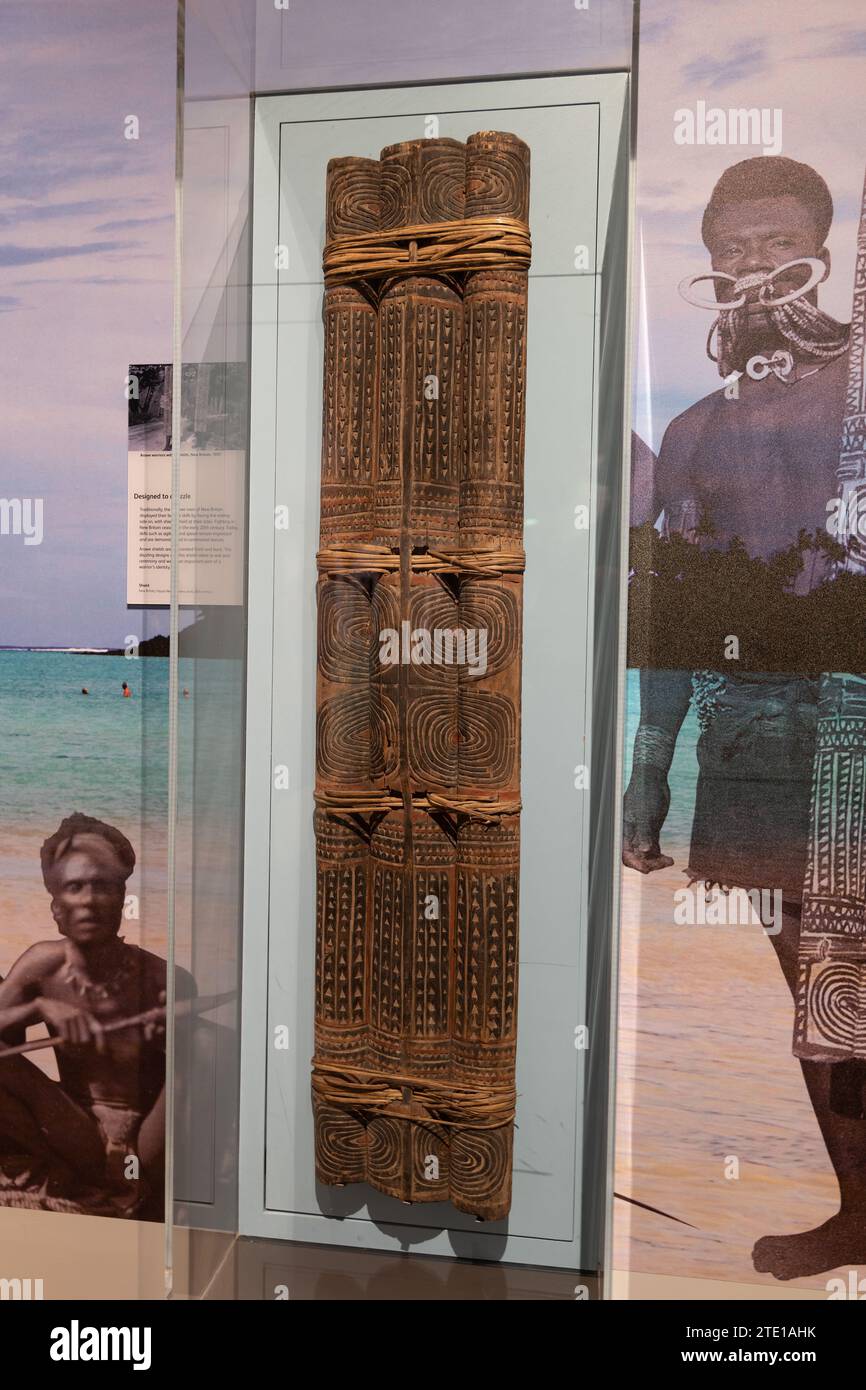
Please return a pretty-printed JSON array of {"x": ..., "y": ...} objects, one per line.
[
  {"x": 770, "y": 176},
  {"x": 62, "y": 842}
]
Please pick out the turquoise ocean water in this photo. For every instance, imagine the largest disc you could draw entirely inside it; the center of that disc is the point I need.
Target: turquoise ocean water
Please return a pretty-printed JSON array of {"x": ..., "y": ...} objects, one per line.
[
  {"x": 107, "y": 756},
  {"x": 61, "y": 751}
]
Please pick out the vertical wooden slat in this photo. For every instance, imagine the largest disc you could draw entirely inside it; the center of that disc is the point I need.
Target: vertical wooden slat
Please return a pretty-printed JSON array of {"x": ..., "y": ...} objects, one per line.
[{"x": 423, "y": 451}]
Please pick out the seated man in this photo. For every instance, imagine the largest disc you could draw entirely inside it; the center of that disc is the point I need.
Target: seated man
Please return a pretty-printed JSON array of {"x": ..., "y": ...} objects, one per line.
[{"x": 109, "y": 1104}]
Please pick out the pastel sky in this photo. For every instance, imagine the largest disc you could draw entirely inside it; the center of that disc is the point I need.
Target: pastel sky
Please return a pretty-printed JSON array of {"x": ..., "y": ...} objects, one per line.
[
  {"x": 86, "y": 244},
  {"x": 86, "y": 247},
  {"x": 805, "y": 59}
]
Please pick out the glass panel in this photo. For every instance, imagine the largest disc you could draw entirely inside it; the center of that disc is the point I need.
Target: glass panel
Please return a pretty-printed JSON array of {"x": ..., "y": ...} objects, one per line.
[
  {"x": 240, "y": 726},
  {"x": 742, "y": 1135},
  {"x": 86, "y": 295},
  {"x": 209, "y": 448}
]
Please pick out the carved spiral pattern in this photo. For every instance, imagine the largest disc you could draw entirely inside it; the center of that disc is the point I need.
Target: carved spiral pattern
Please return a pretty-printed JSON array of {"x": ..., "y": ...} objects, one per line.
[
  {"x": 395, "y": 191},
  {"x": 497, "y": 175},
  {"x": 491, "y": 607},
  {"x": 344, "y": 630},
  {"x": 343, "y": 739},
  {"x": 422, "y": 181},
  {"x": 385, "y": 737},
  {"x": 340, "y": 1145},
  {"x": 834, "y": 1000},
  {"x": 352, "y": 196},
  {"x": 441, "y": 189},
  {"x": 384, "y": 722},
  {"x": 432, "y": 731},
  {"x": 480, "y": 1165},
  {"x": 385, "y": 1151},
  {"x": 417, "y": 909},
  {"x": 488, "y": 740},
  {"x": 386, "y": 610},
  {"x": 427, "y": 1144},
  {"x": 432, "y": 608}
]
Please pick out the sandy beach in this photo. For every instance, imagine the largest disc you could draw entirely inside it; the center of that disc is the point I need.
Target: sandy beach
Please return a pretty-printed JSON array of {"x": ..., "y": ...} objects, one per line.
[{"x": 706, "y": 1075}]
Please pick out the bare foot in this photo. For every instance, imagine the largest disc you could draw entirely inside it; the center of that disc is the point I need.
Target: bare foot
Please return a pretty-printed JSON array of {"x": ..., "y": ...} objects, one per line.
[
  {"x": 645, "y": 861},
  {"x": 839, "y": 1241},
  {"x": 29, "y": 1173}
]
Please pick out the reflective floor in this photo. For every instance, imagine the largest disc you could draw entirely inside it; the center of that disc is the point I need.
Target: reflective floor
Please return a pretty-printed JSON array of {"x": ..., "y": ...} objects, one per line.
[
  {"x": 88, "y": 1257},
  {"x": 270, "y": 1269}
]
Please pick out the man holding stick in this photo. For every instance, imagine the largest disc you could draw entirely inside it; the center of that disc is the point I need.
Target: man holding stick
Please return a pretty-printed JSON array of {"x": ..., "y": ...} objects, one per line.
[
  {"x": 750, "y": 466},
  {"x": 109, "y": 1105}
]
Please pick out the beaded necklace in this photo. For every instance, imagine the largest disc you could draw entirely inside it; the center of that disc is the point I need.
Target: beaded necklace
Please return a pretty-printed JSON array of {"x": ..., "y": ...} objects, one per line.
[{"x": 99, "y": 991}]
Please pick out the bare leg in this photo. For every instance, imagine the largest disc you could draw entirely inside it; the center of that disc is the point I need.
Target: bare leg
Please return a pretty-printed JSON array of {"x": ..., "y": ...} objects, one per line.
[
  {"x": 196, "y": 1044},
  {"x": 842, "y": 1239},
  {"x": 40, "y": 1119},
  {"x": 151, "y": 1143}
]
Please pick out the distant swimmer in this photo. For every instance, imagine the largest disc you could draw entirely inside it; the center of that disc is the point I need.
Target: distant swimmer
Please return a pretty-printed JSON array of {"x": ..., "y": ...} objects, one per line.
[
  {"x": 185, "y": 693},
  {"x": 127, "y": 693},
  {"x": 84, "y": 690}
]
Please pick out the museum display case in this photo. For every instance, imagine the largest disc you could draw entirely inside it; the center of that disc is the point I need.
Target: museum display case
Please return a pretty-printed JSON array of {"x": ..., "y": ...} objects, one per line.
[
  {"x": 434, "y": 784},
  {"x": 426, "y": 287}
]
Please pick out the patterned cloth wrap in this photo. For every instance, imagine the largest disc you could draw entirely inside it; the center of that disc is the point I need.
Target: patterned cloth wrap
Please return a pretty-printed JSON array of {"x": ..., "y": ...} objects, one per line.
[
  {"x": 118, "y": 1127},
  {"x": 755, "y": 755},
  {"x": 830, "y": 1016},
  {"x": 782, "y": 784}
]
